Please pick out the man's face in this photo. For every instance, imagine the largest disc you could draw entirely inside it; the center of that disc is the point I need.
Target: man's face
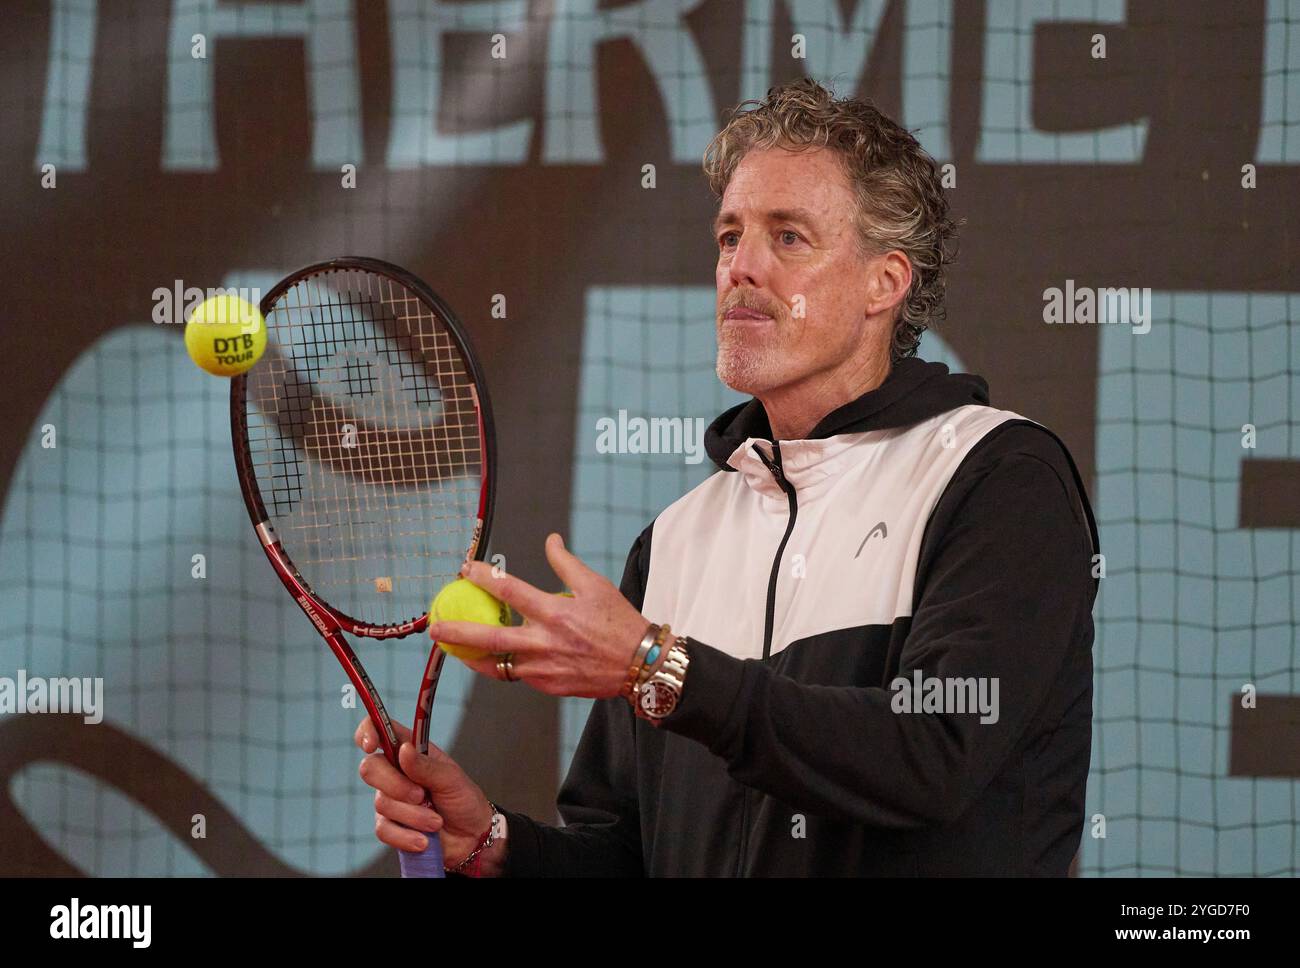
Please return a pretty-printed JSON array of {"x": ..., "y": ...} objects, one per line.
[{"x": 793, "y": 291}]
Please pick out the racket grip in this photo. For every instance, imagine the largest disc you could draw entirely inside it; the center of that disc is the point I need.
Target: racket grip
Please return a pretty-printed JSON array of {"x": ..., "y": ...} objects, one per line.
[{"x": 425, "y": 863}]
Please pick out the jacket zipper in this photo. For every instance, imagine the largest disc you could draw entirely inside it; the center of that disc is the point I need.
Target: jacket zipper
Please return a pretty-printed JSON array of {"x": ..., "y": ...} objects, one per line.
[{"x": 769, "y": 621}]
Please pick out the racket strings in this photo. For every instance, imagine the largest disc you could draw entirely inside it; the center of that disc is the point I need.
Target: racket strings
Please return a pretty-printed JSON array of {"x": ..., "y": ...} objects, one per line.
[{"x": 364, "y": 436}]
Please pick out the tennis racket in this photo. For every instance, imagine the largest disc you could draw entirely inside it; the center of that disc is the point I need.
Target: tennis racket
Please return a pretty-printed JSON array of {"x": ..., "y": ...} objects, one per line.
[{"x": 365, "y": 452}]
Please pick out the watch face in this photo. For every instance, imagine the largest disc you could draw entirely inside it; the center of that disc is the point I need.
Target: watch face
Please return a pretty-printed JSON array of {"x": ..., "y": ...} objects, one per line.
[{"x": 657, "y": 699}]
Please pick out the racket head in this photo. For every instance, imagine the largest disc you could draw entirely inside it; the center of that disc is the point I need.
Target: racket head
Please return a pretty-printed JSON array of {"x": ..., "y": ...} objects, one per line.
[{"x": 364, "y": 442}]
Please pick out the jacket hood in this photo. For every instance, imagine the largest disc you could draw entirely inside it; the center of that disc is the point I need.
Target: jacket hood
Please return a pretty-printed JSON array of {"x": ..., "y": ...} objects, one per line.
[{"x": 915, "y": 390}]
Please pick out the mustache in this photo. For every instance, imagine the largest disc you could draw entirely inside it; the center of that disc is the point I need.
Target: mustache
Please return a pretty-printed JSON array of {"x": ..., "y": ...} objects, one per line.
[{"x": 754, "y": 303}]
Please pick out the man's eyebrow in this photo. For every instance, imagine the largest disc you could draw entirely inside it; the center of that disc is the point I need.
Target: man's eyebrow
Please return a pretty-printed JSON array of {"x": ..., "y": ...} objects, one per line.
[{"x": 800, "y": 215}]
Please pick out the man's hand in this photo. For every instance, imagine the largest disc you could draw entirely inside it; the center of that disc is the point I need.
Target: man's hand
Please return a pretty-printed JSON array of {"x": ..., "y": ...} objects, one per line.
[
  {"x": 579, "y": 646},
  {"x": 461, "y": 814}
]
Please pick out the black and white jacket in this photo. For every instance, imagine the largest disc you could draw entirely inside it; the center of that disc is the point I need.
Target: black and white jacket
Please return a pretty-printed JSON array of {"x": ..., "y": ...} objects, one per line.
[{"x": 916, "y": 534}]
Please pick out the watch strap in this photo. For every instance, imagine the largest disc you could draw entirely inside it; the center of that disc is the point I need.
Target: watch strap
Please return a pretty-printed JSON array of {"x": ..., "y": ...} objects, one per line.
[{"x": 670, "y": 677}]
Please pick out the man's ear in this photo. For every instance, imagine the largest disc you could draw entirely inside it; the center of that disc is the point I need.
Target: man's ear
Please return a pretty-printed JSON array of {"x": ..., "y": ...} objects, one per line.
[{"x": 889, "y": 277}]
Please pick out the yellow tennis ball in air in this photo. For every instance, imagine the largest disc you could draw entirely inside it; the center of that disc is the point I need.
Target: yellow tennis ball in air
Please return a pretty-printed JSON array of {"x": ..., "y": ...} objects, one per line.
[
  {"x": 463, "y": 601},
  {"x": 225, "y": 335}
]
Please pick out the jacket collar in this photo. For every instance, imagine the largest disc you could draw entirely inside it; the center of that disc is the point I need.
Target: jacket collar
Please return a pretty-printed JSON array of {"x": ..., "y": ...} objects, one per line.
[{"x": 915, "y": 390}]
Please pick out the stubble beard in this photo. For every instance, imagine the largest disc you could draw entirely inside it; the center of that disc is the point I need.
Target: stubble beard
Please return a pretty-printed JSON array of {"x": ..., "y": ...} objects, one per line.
[{"x": 745, "y": 364}]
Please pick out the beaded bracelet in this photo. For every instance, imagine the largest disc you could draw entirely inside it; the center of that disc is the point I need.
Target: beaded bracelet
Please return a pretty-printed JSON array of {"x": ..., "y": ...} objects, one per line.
[{"x": 643, "y": 661}]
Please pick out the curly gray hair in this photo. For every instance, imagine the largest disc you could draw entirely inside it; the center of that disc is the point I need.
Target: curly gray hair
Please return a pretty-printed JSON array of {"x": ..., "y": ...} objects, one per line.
[{"x": 901, "y": 204}]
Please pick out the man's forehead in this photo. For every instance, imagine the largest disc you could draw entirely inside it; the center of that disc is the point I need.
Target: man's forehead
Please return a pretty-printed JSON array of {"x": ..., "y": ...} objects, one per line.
[
  {"x": 781, "y": 185},
  {"x": 734, "y": 215}
]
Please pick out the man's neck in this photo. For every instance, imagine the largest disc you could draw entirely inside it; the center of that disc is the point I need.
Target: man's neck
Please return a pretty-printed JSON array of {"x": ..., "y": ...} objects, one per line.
[{"x": 793, "y": 411}]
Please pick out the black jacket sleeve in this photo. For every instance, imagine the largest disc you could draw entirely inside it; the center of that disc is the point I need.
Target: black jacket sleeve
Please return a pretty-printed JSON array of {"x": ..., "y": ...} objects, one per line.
[
  {"x": 1004, "y": 586},
  {"x": 598, "y": 800}
]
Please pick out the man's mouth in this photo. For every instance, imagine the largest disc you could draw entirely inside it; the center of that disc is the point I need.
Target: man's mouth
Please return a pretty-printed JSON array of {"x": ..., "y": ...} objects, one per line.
[{"x": 742, "y": 312}]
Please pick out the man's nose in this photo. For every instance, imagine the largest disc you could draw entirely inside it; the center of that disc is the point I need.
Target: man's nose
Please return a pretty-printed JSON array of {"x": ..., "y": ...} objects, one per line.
[{"x": 748, "y": 265}]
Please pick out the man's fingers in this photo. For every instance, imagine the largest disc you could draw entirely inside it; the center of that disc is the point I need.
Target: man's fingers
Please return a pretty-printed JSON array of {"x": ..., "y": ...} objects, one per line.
[
  {"x": 383, "y": 776},
  {"x": 395, "y": 835},
  {"x": 525, "y": 665},
  {"x": 367, "y": 734},
  {"x": 407, "y": 814},
  {"x": 435, "y": 771},
  {"x": 518, "y": 594},
  {"x": 520, "y": 639},
  {"x": 567, "y": 565}
]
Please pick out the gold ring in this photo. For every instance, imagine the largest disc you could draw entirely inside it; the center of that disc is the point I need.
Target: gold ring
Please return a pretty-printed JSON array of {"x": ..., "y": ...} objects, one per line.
[{"x": 505, "y": 667}]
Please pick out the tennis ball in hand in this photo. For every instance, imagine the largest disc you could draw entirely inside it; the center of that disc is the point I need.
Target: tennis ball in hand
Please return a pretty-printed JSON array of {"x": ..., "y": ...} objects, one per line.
[
  {"x": 225, "y": 335},
  {"x": 463, "y": 601}
]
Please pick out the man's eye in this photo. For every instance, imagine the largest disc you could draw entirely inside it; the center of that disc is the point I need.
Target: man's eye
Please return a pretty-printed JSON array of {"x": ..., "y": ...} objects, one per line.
[
  {"x": 722, "y": 239},
  {"x": 793, "y": 237}
]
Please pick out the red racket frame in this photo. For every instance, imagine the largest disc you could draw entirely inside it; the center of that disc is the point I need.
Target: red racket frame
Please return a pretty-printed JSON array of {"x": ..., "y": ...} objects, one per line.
[{"x": 329, "y": 621}]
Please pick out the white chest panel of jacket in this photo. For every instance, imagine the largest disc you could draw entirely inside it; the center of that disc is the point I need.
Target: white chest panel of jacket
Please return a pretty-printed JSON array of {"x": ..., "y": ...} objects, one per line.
[{"x": 863, "y": 500}]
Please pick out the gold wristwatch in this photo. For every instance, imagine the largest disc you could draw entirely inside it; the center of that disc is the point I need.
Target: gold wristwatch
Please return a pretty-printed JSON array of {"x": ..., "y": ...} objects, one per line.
[{"x": 659, "y": 695}]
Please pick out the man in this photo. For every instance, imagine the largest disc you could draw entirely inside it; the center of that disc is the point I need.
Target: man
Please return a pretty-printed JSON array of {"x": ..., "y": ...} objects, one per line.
[{"x": 880, "y": 650}]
